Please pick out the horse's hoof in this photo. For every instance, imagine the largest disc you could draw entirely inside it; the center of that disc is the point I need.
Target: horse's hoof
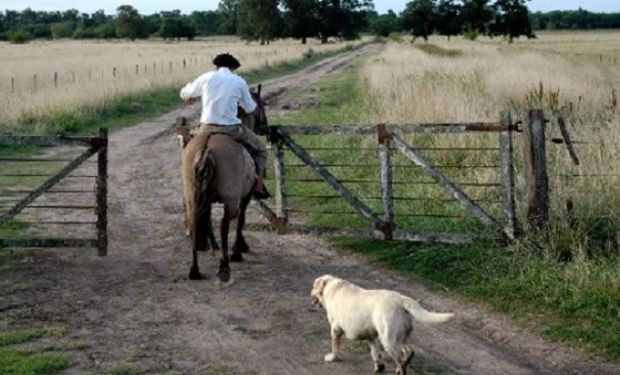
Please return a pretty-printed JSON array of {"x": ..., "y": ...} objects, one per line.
[
  {"x": 224, "y": 275},
  {"x": 236, "y": 257},
  {"x": 194, "y": 274},
  {"x": 241, "y": 248}
]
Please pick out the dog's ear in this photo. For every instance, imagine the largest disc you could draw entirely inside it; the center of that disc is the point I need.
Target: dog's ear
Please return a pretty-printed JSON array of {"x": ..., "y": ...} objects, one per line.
[{"x": 320, "y": 285}]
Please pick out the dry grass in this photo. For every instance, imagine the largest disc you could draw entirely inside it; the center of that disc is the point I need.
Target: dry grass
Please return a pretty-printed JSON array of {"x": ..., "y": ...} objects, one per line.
[
  {"x": 407, "y": 84},
  {"x": 93, "y": 73}
]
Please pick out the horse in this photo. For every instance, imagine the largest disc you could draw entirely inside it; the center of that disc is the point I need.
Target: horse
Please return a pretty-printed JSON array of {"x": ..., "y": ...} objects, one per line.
[{"x": 215, "y": 168}]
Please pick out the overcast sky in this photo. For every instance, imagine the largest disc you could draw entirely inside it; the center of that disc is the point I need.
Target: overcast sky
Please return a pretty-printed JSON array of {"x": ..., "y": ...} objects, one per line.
[{"x": 187, "y": 6}]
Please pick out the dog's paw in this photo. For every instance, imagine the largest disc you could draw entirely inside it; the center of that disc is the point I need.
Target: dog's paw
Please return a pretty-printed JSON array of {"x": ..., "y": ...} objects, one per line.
[
  {"x": 379, "y": 367},
  {"x": 331, "y": 357}
]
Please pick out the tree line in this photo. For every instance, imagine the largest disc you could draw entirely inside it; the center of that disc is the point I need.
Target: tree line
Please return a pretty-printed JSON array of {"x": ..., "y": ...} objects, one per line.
[{"x": 266, "y": 20}]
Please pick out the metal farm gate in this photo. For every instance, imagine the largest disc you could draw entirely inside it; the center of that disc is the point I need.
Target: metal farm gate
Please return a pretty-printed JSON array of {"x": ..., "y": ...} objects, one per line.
[
  {"x": 375, "y": 181},
  {"x": 15, "y": 197}
]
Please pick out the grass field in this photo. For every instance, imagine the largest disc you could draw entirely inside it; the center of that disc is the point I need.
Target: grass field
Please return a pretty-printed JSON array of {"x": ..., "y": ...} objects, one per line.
[{"x": 562, "y": 283}]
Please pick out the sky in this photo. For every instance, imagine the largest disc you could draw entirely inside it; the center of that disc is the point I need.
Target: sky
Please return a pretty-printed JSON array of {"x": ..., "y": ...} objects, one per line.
[{"x": 187, "y": 6}]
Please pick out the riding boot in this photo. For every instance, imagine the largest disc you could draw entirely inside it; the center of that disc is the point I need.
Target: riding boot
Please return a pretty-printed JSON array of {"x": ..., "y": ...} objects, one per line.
[{"x": 260, "y": 191}]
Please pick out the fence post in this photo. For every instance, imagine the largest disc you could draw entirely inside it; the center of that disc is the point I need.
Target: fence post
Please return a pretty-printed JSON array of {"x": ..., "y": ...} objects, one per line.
[
  {"x": 507, "y": 175},
  {"x": 102, "y": 191},
  {"x": 55, "y": 80},
  {"x": 387, "y": 193},
  {"x": 137, "y": 69},
  {"x": 280, "y": 177},
  {"x": 537, "y": 180},
  {"x": 34, "y": 83},
  {"x": 114, "y": 72},
  {"x": 12, "y": 85}
]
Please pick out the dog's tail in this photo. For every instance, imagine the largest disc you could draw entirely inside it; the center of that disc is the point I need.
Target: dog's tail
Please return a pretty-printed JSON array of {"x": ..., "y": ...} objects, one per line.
[{"x": 420, "y": 314}]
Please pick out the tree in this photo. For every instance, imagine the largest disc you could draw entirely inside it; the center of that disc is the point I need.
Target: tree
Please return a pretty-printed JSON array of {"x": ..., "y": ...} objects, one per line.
[
  {"x": 341, "y": 18},
  {"x": 385, "y": 24},
  {"x": 259, "y": 20},
  {"x": 511, "y": 19},
  {"x": 129, "y": 23},
  {"x": 176, "y": 28},
  {"x": 448, "y": 19},
  {"x": 476, "y": 15},
  {"x": 205, "y": 23},
  {"x": 62, "y": 30},
  {"x": 418, "y": 17},
  {"x": 300, "y": 19},
  {"x": 228, "y": 12}
]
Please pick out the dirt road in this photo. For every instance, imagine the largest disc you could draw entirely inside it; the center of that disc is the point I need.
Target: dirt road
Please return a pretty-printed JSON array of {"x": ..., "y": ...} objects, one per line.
[{"x": 137, "y": 307}]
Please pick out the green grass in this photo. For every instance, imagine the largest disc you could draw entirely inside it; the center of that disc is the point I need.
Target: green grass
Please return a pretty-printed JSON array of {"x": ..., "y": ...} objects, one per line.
[
  {"x": 577, "y": 303},
  {"x": 18, "y": 362},
  {"x": 124, "y": 369}
]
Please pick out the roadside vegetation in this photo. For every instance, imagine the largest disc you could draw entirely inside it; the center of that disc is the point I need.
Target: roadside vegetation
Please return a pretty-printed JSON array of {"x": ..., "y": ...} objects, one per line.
[{"x": 561, "y": 283}]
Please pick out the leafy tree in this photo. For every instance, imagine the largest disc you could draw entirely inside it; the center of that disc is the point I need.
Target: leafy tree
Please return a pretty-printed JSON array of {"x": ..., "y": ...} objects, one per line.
[
  {"x": 300, "y": 19},
  {"x": 228, "y": 12},
  {"x": 129, "y": 23},
  {"x": 385, "y": 24},
  {"x": 448, "y": 20},
  {"x": 341, "y": 18},
  {"x": 62, "y": 29},
  {"x": 418, "y": 17},
  {"x": 259, "y": 20},
  {"x": 176, "y": 28},
  {"x": 511, "y": 19},
  {"x": 205, "y": 23},
  {"x": 19, "y": 37},
  {"x": 476, "y": 15}
]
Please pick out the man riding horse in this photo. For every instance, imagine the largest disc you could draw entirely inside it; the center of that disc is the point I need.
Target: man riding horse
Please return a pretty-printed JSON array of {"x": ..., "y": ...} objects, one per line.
[{"x": 222, "y": 92}]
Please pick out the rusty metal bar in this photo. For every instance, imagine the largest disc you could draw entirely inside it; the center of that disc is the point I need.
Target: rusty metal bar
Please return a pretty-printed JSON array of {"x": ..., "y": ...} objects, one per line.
[
  {"x": 402, "y": 166},
  {"x": 280, "y": 177},
  {"x": 36, "y": 160},
  {"x": 394, "y": 198},
  {"x": 54, "y": 207},
  {"x": 419, "y": 149}
]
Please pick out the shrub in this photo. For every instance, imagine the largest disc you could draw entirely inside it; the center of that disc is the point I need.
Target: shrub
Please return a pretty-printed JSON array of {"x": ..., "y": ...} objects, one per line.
[
  {"x": 19, "y": 37},
  {"x": 471, "y": 35}
]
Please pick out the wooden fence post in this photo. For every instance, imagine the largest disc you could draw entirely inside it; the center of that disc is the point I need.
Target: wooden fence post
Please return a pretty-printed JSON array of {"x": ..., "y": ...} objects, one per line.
[
  {"x": 102, "y": 191},
  {"x": 55, "y": 80},
  {"x": 507, "y": 175},
  {"x": 387, "y": 193},
  {"x": 280, "y": 178},
  {"x": 537, "y": 180}
]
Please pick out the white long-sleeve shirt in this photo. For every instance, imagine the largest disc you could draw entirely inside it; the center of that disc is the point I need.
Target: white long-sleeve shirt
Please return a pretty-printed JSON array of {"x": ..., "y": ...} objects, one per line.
[{"x": 221, "y": 91}]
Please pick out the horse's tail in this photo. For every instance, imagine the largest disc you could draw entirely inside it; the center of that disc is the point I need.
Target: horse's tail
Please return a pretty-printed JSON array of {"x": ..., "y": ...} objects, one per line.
[{"x": 204, "y": 176}]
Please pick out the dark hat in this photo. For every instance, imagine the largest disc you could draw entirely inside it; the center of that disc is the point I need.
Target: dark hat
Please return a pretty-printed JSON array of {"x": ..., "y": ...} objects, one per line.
[{"x": 226, "y": 60}]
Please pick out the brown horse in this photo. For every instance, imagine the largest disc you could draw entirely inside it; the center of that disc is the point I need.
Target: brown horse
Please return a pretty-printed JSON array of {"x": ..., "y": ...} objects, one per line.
[{"x": 215, "y": 168}]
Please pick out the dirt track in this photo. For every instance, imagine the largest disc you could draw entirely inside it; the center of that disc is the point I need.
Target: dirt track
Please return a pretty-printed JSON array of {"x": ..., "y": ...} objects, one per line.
[{"x": 137, "y": 307}]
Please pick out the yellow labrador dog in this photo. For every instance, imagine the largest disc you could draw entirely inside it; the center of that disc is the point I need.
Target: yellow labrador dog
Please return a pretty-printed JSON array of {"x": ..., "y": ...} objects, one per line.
[{"x": 382, "y": 317}]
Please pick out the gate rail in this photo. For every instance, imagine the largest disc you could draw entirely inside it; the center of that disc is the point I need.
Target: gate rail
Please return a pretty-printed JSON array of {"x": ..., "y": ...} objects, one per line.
[{"x": 97, "y": 145}]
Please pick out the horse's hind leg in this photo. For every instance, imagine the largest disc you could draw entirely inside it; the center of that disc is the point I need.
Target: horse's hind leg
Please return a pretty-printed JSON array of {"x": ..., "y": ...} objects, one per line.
[
  {"x": 214, "y": 246},
  {"x": 240, "y": 245},
  {"x": 199, "y": 242},
  {"x": 224, "y": 270}
]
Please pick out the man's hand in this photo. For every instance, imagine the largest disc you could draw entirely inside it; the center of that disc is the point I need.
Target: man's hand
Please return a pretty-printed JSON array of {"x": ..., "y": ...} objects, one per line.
[{"x": 190, "y": 101}]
